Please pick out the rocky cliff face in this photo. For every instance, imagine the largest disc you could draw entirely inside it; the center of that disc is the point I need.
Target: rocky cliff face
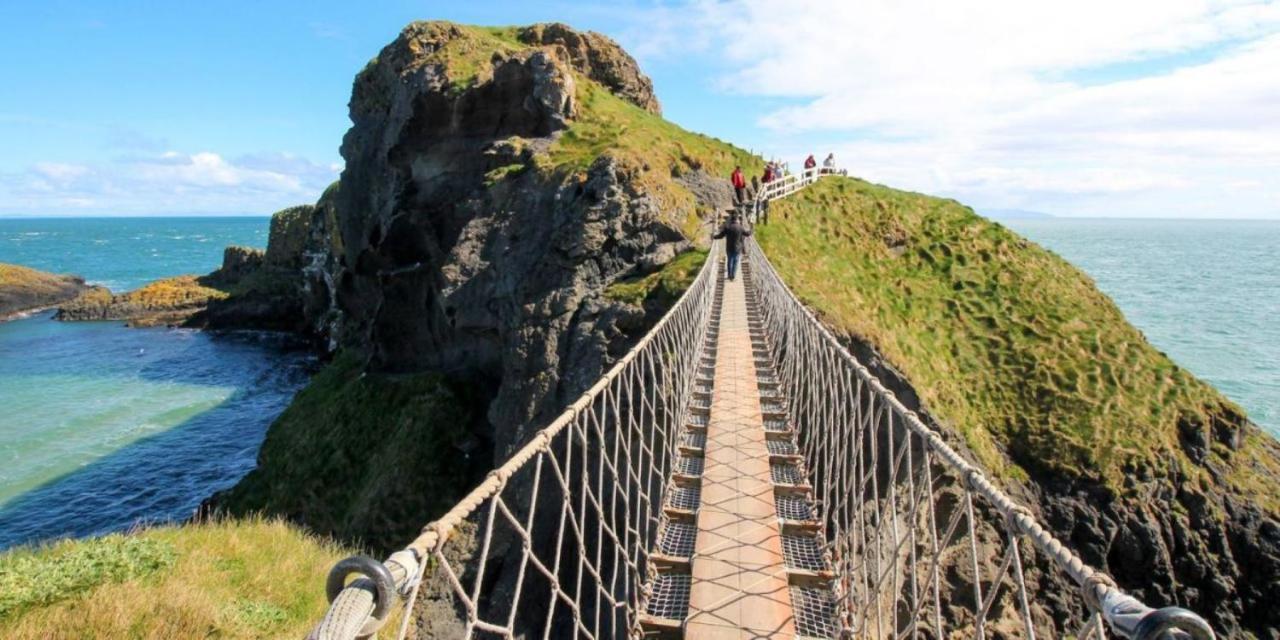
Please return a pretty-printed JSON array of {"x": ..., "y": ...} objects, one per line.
[{"x": 456, "y": 243}]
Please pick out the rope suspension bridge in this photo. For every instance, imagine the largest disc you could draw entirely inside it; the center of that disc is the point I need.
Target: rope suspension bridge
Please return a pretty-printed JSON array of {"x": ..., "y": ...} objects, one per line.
[{"x": 739, "y": 474}]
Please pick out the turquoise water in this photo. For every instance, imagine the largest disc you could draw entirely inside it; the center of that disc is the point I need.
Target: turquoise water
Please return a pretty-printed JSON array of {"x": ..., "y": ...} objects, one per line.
[
  {"x": 104, "y": 426},
  {"x": 1206, "y": 292}
]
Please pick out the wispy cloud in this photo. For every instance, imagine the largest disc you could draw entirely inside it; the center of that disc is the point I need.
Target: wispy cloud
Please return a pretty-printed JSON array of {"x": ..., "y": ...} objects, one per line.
[
  {"x": 168, "y": 182},
  {"x": 969, "y": 99}
]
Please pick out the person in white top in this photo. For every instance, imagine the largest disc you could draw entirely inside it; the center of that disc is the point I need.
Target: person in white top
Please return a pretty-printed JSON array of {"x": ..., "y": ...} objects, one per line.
[{"x": 829, "y": 165}]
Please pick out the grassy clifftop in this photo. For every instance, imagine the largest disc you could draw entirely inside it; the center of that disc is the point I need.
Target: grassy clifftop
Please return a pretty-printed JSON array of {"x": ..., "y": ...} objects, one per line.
[{"x": 1008, "y": 343}]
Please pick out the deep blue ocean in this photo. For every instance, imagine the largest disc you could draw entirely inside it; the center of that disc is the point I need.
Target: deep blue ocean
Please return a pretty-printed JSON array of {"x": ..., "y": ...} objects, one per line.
[{"x": 102, "y": 426}]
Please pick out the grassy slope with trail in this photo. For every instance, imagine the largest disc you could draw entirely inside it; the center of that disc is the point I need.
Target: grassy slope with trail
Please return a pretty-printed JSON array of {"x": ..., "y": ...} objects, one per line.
[{"x": 1005, "y": 342}]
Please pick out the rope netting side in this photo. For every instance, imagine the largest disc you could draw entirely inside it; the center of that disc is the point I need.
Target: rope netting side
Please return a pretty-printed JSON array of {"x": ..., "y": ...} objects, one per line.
[
  {"x": 923, "y": 544},
  {"x": 555, "y": 543}
]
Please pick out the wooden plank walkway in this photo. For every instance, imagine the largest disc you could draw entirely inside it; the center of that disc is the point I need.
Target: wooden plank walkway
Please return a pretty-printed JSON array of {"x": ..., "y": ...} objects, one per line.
[{"x": 740, "y": 587}]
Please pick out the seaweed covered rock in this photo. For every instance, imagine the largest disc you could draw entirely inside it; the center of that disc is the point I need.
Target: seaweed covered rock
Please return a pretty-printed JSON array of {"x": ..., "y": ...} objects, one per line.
[
  {"x": 171, "y": 301},
  {"x": 23, "y": 289}
]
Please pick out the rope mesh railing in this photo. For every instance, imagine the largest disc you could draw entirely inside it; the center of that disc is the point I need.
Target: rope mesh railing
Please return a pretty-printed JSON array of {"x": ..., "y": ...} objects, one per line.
[
  {"x": 564, "y": 539},
  {"x": 921, "y": 542},
  {"x": 556, "y": 542}
]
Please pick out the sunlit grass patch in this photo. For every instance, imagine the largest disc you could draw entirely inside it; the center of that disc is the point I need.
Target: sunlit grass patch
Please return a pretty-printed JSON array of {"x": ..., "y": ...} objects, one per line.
[{"x": 251, "y": 578}]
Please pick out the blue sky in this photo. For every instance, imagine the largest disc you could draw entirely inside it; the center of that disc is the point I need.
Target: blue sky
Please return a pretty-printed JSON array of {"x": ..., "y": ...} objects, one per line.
[{"x": 1143, "y": 109}]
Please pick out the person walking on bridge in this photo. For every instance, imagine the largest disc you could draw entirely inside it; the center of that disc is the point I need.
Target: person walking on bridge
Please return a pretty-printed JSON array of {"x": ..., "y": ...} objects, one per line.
[
  {"x": 829, "y": 165},
  {"x": 810, "y": 162},
  {"x": 739, "y": 184},
  {"x": 734, "y": 235}
]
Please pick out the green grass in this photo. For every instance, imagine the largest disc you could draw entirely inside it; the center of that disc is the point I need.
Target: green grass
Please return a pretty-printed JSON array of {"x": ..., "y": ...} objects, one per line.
[
  {"x": 469, "y": 59},
  {"x": 31, "y": 579},
  {"x": 609, "y": 124},
  {"x": 367, "y": 458},
  {"x": 251, "y": 578},
  {"x": 1007, "y": 343},
  {"x": 662, "y": 287}
]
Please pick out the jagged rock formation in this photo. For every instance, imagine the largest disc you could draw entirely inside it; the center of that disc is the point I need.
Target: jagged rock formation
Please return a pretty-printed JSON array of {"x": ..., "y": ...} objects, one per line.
[
  {"x": 462, "y": 242},
  {"x": 23, "y": 290}
]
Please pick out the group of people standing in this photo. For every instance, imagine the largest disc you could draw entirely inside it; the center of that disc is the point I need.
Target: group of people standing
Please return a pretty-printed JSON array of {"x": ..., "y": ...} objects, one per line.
[
  {"x": 828, "y": 165},
  {"x": 733, "y": 231}
]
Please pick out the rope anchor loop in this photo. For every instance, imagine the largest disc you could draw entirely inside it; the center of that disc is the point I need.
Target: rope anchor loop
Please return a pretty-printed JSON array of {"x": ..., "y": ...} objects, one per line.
[{"x": 384, "y": 584}]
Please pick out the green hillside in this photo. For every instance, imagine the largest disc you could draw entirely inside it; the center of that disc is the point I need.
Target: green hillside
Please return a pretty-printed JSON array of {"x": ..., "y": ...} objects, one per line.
[{"x": 1006, "y": 342}]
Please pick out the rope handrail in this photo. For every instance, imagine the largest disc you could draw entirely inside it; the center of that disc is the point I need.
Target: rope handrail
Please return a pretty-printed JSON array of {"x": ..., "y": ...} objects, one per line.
[{"x": 643, "y": 394}]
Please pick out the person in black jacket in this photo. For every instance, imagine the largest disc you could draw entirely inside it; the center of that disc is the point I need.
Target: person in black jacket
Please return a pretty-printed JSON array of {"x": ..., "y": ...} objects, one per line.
[{"x": 734, "y": 235}]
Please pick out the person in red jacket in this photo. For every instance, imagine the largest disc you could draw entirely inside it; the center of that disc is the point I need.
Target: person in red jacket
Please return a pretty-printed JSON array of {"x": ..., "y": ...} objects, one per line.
[{"x": 739, "y": 184}]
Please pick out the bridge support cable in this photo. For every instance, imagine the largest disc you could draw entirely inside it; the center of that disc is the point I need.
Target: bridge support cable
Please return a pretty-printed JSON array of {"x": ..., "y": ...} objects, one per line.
[
  {"x": 557, "y": 542},
  {"x": 922, "y": 543}
]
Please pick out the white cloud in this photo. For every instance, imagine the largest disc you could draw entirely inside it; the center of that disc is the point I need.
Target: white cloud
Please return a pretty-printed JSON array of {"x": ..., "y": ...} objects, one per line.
[
  {"x": 167, "y": 183},
  {"x": 1007, "y": 102}
]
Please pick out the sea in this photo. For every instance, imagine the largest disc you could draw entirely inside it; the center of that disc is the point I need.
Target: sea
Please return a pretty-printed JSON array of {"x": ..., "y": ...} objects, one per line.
[{"x": 104, "y": 427}]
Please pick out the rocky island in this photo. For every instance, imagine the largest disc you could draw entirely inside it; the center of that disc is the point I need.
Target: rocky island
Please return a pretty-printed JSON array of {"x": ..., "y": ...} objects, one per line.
[
  {"x": 25, "y": 290},
  {"x": 514, "y": 213}
]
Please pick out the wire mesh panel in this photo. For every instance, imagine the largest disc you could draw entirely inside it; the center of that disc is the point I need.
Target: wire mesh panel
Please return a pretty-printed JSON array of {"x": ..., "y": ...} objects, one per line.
[
  {"x": 676, "y": 538},
  {"x": 781, "y": 447},
  {"x": 815, "y": 612},
  {"x": 785, "y": 474},
  {"x": 690, "y": 465},
  {"x": 684, "y": 498},
  {"x": 792, "y": 507},
  {"x": 694, "y": 439},
  {"x": 803, "y": 552},
  {"x": 670, "y": 597}
]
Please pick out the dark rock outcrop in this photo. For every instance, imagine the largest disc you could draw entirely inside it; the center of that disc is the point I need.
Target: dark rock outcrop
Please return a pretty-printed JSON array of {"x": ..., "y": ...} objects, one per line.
[
  {"x": 238, "y": 263},
  {"x": 599, "y": 58}
]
